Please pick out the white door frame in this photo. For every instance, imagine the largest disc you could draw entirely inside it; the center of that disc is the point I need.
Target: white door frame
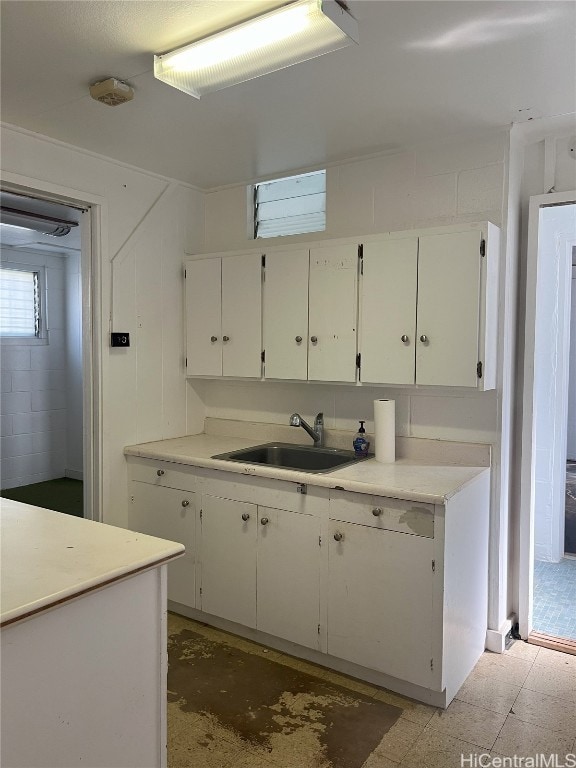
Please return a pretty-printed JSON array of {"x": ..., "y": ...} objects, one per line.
[
  {"x": 92, "y": 337},
  {"x": 528, "y": 448}
]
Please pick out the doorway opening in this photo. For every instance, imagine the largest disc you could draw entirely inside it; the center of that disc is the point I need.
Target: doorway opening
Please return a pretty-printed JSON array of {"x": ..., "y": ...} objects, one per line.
[
  {"x": 44, "y": 351},
  {"x": 548, "y": 567}
]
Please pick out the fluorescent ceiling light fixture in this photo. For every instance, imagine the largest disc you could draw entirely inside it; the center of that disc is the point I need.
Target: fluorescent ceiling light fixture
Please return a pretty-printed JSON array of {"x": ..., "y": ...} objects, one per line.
[
  {"x": 48, "y": 225},
  {"x": 296, "y": 32}
]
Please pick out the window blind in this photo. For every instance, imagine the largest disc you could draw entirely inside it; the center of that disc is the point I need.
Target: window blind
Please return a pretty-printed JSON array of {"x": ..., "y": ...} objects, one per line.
[
  {"x": 290, "y": 206},
  {"x": 19, "y": 303}
]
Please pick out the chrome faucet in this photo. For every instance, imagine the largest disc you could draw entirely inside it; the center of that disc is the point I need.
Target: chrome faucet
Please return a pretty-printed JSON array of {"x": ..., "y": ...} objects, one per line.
[{"x": 317, "y": 434}]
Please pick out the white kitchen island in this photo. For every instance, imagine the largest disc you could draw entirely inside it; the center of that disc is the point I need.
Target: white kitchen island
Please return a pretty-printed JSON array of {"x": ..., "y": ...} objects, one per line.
[{"x": 83, "y": 617}]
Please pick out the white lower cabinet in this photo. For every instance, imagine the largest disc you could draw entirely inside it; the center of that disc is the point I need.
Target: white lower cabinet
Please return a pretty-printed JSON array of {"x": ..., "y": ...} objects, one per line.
[
  {"x": 248, "y": 555},
  {"x": 288, "y": 576},
  {"x": 228, "y": 559},
  {"x": 168, "y": 513},
  {"x": 391, "y": 590},
  {"x": 380, "y": 600}
]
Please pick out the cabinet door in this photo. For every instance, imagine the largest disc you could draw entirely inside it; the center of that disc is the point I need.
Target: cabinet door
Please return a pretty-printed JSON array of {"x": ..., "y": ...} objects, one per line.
[
  {"x": 380, "y": 600},
  {"x": 228, "y": 559},
  {"x": 333, "y": 299},
  {"x": 286, "y": 315},
  {"x": 448, "y": 309},
  {"x": 203, "y": 318},
  {"x": 388, "y": 311},
  {"x": 242, "y": 315},
  {"x": 288, "y": 578},
  {"x": 169, "y": 514}
]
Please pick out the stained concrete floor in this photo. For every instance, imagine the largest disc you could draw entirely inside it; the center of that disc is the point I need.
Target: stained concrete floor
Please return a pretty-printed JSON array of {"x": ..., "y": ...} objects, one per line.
[{"x": 522, "y": 703}]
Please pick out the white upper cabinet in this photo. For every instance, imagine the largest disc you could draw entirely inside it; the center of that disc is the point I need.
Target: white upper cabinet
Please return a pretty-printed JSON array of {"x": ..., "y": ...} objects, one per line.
[
  {"x": 451, "y": 288},
  {"x": 204, "y": 318},
  {"x": 224, "y": 316},
  {"x": 286, "y": 315},
  {"x": 333, "y": 313},
  {"x": 242, "y": 315},
  {"x": 388, "y": 311}
]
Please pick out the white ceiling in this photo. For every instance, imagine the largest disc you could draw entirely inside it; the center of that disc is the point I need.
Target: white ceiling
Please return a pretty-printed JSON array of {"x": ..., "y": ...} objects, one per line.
[{"x": 423, "y": 70}]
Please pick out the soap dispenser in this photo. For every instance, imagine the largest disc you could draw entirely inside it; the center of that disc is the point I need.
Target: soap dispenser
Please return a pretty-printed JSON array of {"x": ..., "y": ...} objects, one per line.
[{"x": 361, "y": 445}]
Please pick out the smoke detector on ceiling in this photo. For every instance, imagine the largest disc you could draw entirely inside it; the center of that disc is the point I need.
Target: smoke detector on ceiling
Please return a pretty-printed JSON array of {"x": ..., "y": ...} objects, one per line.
[{"x": 112, "y": 92}]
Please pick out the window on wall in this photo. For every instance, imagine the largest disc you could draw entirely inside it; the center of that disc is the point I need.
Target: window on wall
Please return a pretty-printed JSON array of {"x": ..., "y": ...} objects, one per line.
[
  {"x": 290, "y": 206},
  {"x": 20, "y": 304}
]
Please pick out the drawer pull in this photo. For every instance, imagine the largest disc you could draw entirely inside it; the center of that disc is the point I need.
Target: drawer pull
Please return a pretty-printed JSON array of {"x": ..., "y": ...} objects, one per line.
[
  {"x": 159, "y": 472},
  {"x": 185, "y": 503},
  {"x": 376, "y": 511},
  {"x": 338, "y": 536},
  {"x": 264, "y": 521},
  {"x": 245, "y": 516}
]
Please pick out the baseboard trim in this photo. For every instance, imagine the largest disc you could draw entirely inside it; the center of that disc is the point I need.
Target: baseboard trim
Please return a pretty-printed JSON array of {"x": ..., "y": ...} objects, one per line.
[
  {"x": 74, "y": 474},
  {"x": 496, "y": 638}
]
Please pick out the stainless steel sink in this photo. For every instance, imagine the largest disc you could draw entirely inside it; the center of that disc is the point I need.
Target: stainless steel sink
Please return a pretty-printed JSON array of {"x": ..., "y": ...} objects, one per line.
[{"x": 288, "y": 456}]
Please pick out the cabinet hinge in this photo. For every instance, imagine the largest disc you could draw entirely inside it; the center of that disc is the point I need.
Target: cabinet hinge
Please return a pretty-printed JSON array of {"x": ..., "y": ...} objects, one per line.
[
  {"x": 318, "y": 628},
  {"x": 186, "y": 362},
  {"x": 482, "y": 247},
  {"x": 432, "y": 664},
  {"x": 433, "y": 566},
  {"x": 200, "y": 514},
  {"x": 184, "y": 274},
  {"x": 263, "y": 261},
  {"x": 200, "y": 590},
  {"x": 361, "y": 257},
  {"x": 263, "y": 355},
  {"x": 479, "y": 370},
  {"x": 358, "y": 360},
  {"x": 132, "y": 499},
  {"x": 319, "y": 537}
]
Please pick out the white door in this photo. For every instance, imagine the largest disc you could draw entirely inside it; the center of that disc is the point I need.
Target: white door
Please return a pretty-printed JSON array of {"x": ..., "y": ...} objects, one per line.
[
  {"x": 333, "y": 313},
  {"x": 203, "y": 318},
  {"x": 286, "y": 315},
  {"x": 448, "y": 309},
  {"x": 370, "y": 622},
  {"x": 228, "y": 559},
  {"x": 289, "y": 576},
  {"x": 388, "y": 311},
  {"x": 242, "y": 315},
  {"x": 169, "y": 514}
]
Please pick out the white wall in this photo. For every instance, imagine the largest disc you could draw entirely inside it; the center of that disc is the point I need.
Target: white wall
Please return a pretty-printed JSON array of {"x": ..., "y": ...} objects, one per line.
[
  {"x": 74, "y": 384},
  {"x": 557, "y": 224},
  {"x": 146, "y": 223},
  {"x": 571, "y": 438},
  {"x": 33, "y": 399}
]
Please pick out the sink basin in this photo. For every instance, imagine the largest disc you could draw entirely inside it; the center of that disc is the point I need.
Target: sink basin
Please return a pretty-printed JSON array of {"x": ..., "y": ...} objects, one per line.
[{"x": 288, "y": 456}]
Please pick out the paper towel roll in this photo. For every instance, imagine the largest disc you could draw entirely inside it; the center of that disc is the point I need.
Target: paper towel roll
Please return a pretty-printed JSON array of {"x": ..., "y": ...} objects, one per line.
[{"x": 385, "y": 431}]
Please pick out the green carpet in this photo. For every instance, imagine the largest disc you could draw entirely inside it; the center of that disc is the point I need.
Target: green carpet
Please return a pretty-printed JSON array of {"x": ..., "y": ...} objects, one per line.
[{"x": 63, "y": 495}]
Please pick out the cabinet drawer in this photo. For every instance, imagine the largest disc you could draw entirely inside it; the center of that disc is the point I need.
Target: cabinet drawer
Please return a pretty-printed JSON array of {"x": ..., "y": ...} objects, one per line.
[
  {"x": 162, "y": 473},
  {"x": 381, "y": 512}
]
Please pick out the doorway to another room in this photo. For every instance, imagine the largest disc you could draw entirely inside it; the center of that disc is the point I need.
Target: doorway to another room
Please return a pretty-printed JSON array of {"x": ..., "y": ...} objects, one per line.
[
  {"x": 549, "y": 442},
  {"x": 41, "y": 348}
]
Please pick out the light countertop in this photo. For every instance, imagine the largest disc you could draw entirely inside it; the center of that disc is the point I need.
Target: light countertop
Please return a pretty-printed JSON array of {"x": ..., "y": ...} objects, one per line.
[
  {"x": 410, "y": 479},
  {"x": 49, "y": 557}
]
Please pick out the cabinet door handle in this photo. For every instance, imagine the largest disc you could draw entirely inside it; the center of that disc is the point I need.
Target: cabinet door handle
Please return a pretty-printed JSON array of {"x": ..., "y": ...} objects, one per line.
[
  {"x": 264, "y": 521},
  {"x": 423, "y": 338},
  {"x": 298, "y": 339},
  {"x": 404, "y": 339},
  {"x": 313, "y": 339},
  {"x": 338, "y": 536},
  {"x": 159, "y": 472},
  {"x": 185, "y": 503},
  {"x": 213, "y": 338},
  {"x": 245, "y": 516},
  {"x": 225, "y": 338},
  {"x": 376, "y": 511}
]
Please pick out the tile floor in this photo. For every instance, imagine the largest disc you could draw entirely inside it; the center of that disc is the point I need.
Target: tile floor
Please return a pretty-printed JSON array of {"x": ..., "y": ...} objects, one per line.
[
  {"x": 522, "y": 702},
  {"x": 555, "y": 598}
]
